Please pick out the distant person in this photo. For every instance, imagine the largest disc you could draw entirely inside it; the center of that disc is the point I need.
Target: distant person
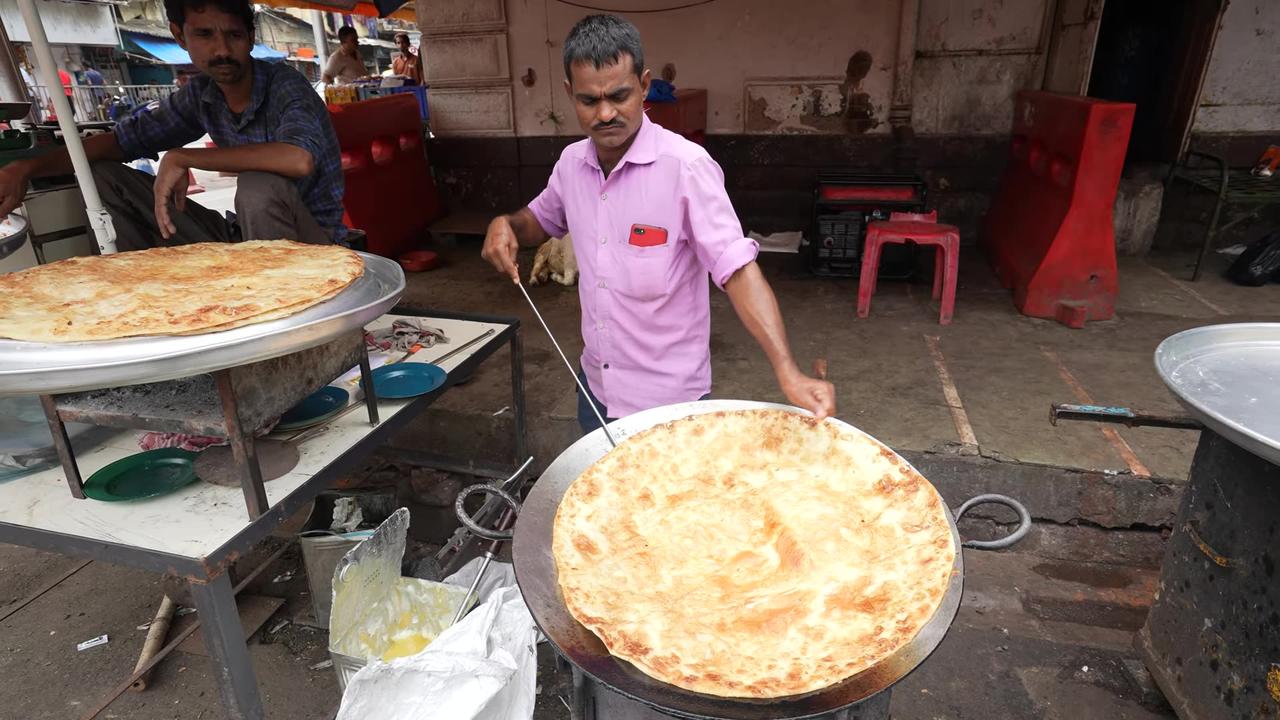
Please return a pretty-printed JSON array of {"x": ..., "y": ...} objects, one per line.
[
  {"x": 93, "y": 77},
  {"x": 95, "y": 81},
  {"x": 345, "y": 65},
  {"x": 408, "y": 63},
  {"x": 65, "y": 78}
]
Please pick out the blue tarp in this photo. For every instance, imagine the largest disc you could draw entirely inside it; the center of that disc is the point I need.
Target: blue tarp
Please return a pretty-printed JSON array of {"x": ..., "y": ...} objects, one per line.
[{"x": 171, "y": 53}]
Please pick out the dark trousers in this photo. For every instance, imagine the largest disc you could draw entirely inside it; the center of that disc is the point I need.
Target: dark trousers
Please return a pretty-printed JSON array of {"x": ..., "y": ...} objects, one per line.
[
  {"x": 268, "y": 207},
  {"x": 587, "y": 421}
]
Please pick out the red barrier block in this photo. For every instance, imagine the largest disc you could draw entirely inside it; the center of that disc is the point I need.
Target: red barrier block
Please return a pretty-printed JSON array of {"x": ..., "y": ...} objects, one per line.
[
  {"x": 390, "y": 193},
  {"x": 1049, "y": 233}
]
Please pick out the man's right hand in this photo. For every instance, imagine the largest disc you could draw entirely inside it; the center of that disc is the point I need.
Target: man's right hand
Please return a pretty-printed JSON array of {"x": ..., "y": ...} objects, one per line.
[
  {"x": 500, "y": 247},
  {"x": 13, "y": 186}
]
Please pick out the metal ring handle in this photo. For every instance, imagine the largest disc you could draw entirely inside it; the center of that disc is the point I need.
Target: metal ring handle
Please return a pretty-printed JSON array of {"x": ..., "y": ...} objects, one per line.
[
  {"x": 465, "y": 519},
  {"x": 1024, "y": 521}
]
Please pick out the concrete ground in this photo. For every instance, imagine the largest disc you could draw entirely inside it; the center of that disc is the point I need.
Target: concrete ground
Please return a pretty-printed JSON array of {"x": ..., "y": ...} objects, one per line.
[{"x": 1042, "y": 632}]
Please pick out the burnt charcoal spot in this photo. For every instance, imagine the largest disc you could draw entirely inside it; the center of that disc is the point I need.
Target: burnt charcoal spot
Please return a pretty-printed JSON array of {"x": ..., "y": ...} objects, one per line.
[
  {"x": 1214, "y": 664},
  {"x": 1268, "y": 565}
]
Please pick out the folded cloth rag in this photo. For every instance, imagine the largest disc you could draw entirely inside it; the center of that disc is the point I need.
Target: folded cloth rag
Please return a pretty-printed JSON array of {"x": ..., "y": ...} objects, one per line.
[
  {"x": 402, "y": 335},
  {"x": 190, "y": 443}
]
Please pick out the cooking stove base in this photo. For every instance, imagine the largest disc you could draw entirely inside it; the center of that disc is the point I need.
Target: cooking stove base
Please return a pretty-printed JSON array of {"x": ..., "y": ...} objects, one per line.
[{"x": 593, "y": 701}]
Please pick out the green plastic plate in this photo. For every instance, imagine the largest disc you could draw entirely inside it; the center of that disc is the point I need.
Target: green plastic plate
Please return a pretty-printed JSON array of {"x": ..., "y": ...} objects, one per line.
[{"x": 145, "y": 475}]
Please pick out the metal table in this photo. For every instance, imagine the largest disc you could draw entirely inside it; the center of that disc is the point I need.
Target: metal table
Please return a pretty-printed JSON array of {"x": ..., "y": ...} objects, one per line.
[{"x": 198, "y": 532}]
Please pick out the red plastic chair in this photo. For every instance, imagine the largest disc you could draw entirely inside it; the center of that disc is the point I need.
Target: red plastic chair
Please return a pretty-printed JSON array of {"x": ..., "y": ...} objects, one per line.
[{"x": 922, "y": 229}]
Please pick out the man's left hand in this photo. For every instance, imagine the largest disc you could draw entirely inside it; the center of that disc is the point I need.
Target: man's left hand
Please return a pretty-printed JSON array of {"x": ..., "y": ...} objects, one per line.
[
  {"x": 171, "y": 184},
  {"x": 817, "y": 396}
]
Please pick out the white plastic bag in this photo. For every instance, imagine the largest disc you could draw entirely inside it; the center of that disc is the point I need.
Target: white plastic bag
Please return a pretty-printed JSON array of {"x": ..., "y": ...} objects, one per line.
[{"x": 483, "y": 668}]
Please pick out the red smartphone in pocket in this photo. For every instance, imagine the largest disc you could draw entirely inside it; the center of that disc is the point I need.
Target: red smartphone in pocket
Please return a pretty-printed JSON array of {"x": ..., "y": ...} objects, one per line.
[{"x": 647, "y": 236}]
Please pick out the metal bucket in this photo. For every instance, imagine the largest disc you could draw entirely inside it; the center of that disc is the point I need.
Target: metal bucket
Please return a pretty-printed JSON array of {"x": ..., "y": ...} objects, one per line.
[
  {"x": 346, "y": 667},
  {"x": 321, "y": 551}
]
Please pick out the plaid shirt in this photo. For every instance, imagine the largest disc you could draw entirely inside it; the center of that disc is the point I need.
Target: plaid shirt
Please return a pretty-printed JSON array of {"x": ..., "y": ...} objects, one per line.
[{"x": 283, "y": 108}]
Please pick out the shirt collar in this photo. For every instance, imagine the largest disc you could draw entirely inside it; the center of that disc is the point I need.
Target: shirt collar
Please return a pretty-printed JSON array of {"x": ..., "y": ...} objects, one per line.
[
  {"x": 213, "y": 94},
  {"x": 643, "y": 150}
]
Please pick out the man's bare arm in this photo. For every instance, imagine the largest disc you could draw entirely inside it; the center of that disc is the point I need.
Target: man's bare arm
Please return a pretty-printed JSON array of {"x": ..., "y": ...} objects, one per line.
[
  {"x": 278, "y": 158},
  {"x": 754, "y": 302},
  {"x": 505, "y": 236}
]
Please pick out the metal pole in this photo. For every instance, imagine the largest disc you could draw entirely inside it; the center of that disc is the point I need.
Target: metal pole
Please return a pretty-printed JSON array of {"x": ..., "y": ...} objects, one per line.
[
  {"x": 322, "y": 45},
  {"x": 103, "y": 231}
]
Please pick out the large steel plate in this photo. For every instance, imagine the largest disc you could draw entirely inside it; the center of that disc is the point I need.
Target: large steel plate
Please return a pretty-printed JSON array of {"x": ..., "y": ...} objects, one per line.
[
  {"x": 28, "y": 368},
  {"x": 536, "y": 574},
  {"x": 1228, "y": 376}
]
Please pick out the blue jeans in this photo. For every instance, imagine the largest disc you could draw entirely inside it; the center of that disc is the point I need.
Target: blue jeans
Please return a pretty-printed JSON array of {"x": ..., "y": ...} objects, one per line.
[
  {"x": 586, "y": 418},
  {"x": 587, "y": 421}
]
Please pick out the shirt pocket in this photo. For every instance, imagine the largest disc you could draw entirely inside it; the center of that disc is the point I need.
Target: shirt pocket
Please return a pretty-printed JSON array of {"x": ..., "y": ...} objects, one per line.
[{"x": 646, "y": 270}]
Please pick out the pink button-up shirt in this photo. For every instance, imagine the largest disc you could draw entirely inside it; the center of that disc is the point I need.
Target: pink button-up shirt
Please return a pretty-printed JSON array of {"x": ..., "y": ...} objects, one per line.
[{"x": 646, "y": 239}]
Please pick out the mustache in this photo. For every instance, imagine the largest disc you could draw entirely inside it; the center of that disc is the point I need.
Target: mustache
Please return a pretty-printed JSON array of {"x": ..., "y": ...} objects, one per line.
[
  {"x": 225, "y": 62},
  {"x": 606, "y": 126}
]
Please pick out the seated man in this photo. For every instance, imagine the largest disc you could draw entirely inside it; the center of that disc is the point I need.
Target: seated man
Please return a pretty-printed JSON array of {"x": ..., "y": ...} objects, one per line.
[{"x": 269, "y": 126}]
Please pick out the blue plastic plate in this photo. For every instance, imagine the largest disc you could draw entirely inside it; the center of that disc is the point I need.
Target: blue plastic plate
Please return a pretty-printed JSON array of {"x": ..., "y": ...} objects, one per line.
[
  {"x": 406, "y": 380},
  {"x": 315, "y": 408}
]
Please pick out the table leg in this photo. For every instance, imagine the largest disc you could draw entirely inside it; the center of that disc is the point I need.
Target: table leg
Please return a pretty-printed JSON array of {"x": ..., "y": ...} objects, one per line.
[
  {"x": 242, "y": 448},
  {"x": 224, "y": 638},
  {"x": 517, "y": 396},
  {"x": 366, "y": 384},
  {"x": 62, "y": 443}
]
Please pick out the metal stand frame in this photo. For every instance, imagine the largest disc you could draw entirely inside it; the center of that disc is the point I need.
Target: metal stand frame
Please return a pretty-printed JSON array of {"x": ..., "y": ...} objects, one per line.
[
  {"x": 241, "y": 439},
  {"x": 210, "y": 583}
]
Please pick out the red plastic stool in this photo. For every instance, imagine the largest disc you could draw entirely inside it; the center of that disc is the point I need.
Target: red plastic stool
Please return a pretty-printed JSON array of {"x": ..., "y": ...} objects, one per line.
[{"x": 922, "y": 229}]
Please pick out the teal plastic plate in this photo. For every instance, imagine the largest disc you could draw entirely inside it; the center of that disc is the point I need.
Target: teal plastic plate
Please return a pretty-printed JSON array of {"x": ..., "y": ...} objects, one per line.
[
  {"x": 406, "y": 380},
  {"x": 315, "y": 408}
]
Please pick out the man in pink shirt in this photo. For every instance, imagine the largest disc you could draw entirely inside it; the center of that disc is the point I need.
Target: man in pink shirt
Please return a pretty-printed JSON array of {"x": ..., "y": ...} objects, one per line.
[{"x": 650, "y": 220}]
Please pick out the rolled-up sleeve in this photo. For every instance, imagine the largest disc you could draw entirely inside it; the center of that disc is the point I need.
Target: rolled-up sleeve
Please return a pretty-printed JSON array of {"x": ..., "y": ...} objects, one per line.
[
  {"x": 304, "y": 119},
  {"x": 548, "y": 207},
  {"x": 171, "y": 124},
  {"x": 711, "y": 223}
]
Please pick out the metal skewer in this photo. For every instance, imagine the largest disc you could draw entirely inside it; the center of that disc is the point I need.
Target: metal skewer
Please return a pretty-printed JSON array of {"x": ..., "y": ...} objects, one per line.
[
  {"x": 468, "y": 344},
  {"x": 581, "y": 387}
]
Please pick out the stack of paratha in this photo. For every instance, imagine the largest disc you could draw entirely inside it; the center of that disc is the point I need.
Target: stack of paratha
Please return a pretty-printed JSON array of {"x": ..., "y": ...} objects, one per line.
[
  {"x": 752, "y": 553},
  {"x": 180, "y": 290}
]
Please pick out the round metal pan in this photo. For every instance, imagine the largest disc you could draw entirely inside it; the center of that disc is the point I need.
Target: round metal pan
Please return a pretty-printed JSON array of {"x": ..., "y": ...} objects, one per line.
[
  {"x": 536, "y": 574},
  {"x": 1228, "y": 376},
  {"x": 16, "y": 238},
  {"x": 28, "y": 368}
]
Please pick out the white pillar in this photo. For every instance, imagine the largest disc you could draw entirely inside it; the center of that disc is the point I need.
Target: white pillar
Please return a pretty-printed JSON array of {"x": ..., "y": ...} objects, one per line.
[
  {"x": 322, "y": 45},
  {"x": 99, "y": 220}
]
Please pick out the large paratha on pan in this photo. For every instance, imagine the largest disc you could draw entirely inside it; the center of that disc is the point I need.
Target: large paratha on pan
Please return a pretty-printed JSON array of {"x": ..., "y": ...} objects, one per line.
[
  {"x": 752, "y": 553},
  {"x": 179, "y": 290}
]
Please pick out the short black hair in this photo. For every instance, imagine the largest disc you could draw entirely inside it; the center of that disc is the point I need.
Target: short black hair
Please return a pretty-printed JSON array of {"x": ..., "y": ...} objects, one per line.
[
  {"x": 345, "y": 32},
  {"x": 405, "y": 36},
  {"x": 603, "y": 40},
  {"x": 176, "y": 10}
]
